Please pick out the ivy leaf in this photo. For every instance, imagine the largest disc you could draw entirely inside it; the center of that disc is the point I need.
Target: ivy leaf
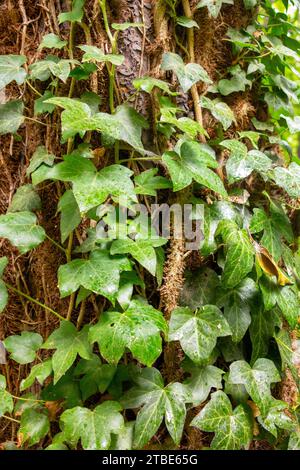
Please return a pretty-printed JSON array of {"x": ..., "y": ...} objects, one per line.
[
  {"x": 157, "y": 402},
  {"x": 11, "y": 116},
  {"x": 199, "y": 288},
  {"x": 93, "y": 427},
  {"x": 289, "y": 179},
  {"x": 39, "y": 157},
  {"x": 25, "y": 199},
  {"x": 40, "y": 107},
  {"x": 34, "y": 425},
  {"x": 198, "y": 331},
  {"x": 90, "y": 188},
  {"x": 100, "y": 274},
  {"x": 21, "y": 230},
  {"x": 138, "y": 329},
  {"x": 11, "y": 69},
  {"x": 42, "y": 69},
  {"x": 250, "y": 4},
  {"x": 94, "y": 376},
  {"x": 294, "y": 440},
  {"x": 194, "y": 162},
  {"x": 239, "y": 253},
  {"x": 213, "y": 6},
  {"x": 237, "y": 82},
  {"x": 287, "y": 354},
  {"x": 6, "y": 400},
  {"x": 186, "y": 22},
  {"x": 277, "y": 418},
  {"x": 202, "y": 380},
  {"x": 141, "y": 249},
  {"x": 126, "y": 25},
  {"x": 92, "y": 53},
  {"x": 241, "y": 163},
  {"x": 232, "y": 428},
  {"x": 188, "y": 74},
  {"x": 76, "y": 14},
  {"x": 237, "y": 304},
  {"x": 261, "y": 331},
  {"x": 39, "y": 372},
  {"x": 148, "y": 83},
  {"x": 3, "y": 290},
  {"x": 126, "y": 124},
  {"x": 257, "y": 380},
  {"x": 293, "y": 124},
  {"x": 148, "y": 183},
  {"x": 70, "y": 215},
  {"x": 68, "y": 342},
  {"x": 65, "y": 390},
  {"x": 23, "y": 347},
  {"x": 220, "y": 111},
  {"x": 52, "y": 41}
]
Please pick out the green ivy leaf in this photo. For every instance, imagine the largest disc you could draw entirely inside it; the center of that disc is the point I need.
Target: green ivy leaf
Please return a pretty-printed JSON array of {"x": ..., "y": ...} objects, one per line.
[
  {"x": 3, "y": 290},
  {"x": 92, "y": 53},
  {"x": 138, "y": 329},
  {"x": 76, "y": 14},
  {"x": 25, "y": 199},
  {"x": 232, "y": 428},
  {"x": 39, "y": 157},
  {"x": 68, "y": 343},
  {"x": 198, "y": 331},
  {"x": 11, "y": 69},
  {"x": 277, "y": 418},
  {"x": 289, "y": 179},
  {"x": 126, "y": 25},
  {"x": 239, "y": 253},
  {"x": 157, "y": 402},
  {"x": 237, "y": 82},
  {"x": 148, "y": 83},
  {"x": 194, "y": 162},
  {"x": 52, "y": 41},
  {"x": 65, "y": 390},
  {"x": 294, "y": 440},
  {"x": 126, "y": 124},
  {"x": 202, "y": 380},
  {"x": 261, "y": 331},
  {"x": 241, "y": 163},
  {"x": 34, "y": 425},
  {"x": 214, "y": 6},
  {"x": 40, "y": 105},
  {"x": 39, "y": 372},
  {"x": 70, "y": 215},
  {"x": 100, "y": 274},
  {"x": 6, "y": 400},
  {"x": 94, "y": 376},
  {"x": 188, "y": 74},
  {"x": 43, "y": 69},
  {"x": 90, "y": 188},
  {"x": 199, "y": 288},
  {"x": 287, "y": 354},
  {"x": 186, "y": 22},
  {"x": 148, "y": 183},
  {"x": 237, "y": 305},
  {"x": 93, "y": 427},
  {"x": 220, "y": 111},
  {"x": 11, "y": 116},
  {"x": 23, "y": 347},
  {"x": 21, "y": 230},
  {"x": 257, "y": 380}
]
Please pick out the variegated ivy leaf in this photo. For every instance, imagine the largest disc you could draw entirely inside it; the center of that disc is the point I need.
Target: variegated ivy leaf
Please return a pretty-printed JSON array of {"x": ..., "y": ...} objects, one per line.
[
  {"x": 157, "y": 402},
  {"x": 11, "y": 116},
  {"x": 94, "y": 428},
  {"x": 237, "y": 304},
  {"x": 274, "y": 228},
  {"x": 202, "y": 380},
  {"x": 287, "y": 353},
  {"x": 220, "y": 111},
  {"x": 34, "y": 424},
  {"x": 68, "y": 343},
  {"x": 21, "y": 230},
  {"x": 188, "y": 74},
  {"x": 294, "y": 440},
  {"x": 194, "y": 162},
  {"x": 293, "y": 124},
  {"x": 100, "y": 274},
  {"x": 76, "y": 13},
  {"x": 126, "y": 124},
  {"x": 93, "y": 53},
  {"x": 239, "y": 253},
  {"x": 11, "y": 69},
  {"x": 214, "y": 6},
  {"x": 22, "y": 348},
  {"x": 277, "y": 418},
  {"x": 3, "y": 290},
  {"x": 289, "y": 179},
  {"x": 261, "y": 330},
  {"x": 198, "y": 331},
  {"x": 6, "y": 400},
  {"x": 25, "y": 199},
  {"x": 90, "y": 188},
  {"x": 138, "y": 329},
  {"x": 241, "y": 163},
  {"x": 232, "y": 428},
  {"x": 257, "y": 380}
]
